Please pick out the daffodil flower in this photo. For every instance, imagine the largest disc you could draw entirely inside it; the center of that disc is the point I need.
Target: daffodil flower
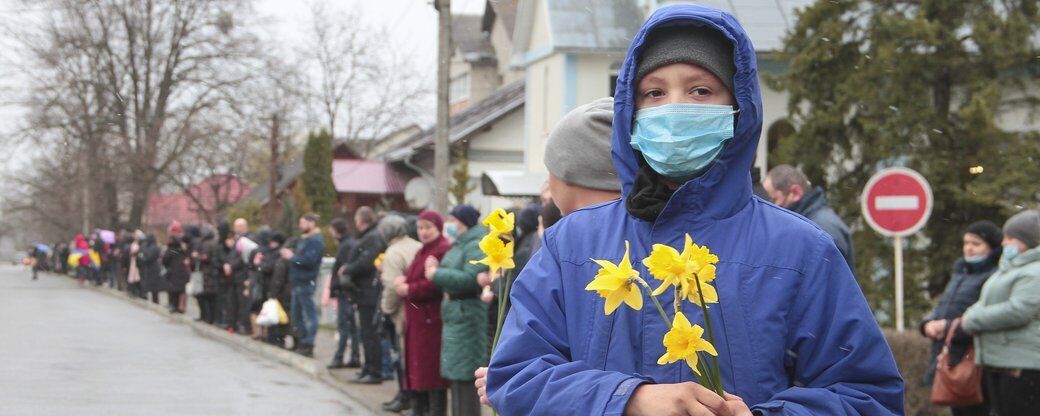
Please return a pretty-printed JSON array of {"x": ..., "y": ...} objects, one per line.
[
  {"x": 499, "y": 254},
  {"x": 683, "y": 342},
  {"x": 499, "y": 222},
  {"x": 617, "y": 283},
  {"x": 684, "y": 270},
  {"x": 379, "y": 260}
]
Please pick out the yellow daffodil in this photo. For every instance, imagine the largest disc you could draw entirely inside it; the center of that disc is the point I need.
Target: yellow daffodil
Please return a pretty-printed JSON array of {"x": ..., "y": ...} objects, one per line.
[
  {"x": 617, "y": 283},
  {"x": 379, "y": 259},
  {"x": 499, "y": 254},
  {"x": 679, "y": 269},
  {"x": 499, "y": 222},
  {"x": 683, "y": 341}
]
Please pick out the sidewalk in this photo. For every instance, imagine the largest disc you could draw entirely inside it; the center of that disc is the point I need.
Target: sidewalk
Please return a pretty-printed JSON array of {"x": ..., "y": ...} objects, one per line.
[{"x": 369, "y": 396}]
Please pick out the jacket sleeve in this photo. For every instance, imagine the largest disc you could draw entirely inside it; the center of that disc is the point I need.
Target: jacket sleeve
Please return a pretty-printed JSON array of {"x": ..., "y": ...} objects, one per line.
[
  {"x": 1021, "y": 308},
  {"x": 309, "y": 255},
  {"x": 423, "y": 289},
  {"x": 531, "y": 371},
  {"x": 838, "y": 359},
  {"x": 393, "y": 266},
  {"x": 363, "y": 263},
  {"x": 460, "y": 281}
]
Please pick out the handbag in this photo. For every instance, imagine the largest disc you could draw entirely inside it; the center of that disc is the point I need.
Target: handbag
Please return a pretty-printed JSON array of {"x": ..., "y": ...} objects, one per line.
[
  {"x": 195, "y": 284},
  {"x": 959, "y": 385}
]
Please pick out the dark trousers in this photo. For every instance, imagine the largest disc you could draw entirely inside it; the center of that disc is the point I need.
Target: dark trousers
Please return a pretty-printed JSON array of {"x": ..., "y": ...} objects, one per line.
[
  {"x": 154, "y": 296},
  {"x": 347, "y": 326},
  {"x": 370, "y": 340},
  {"x": 464, "y": 399},
  {"x": 174, "y": 299},
  {"x": 207, "y": 307},
  {"x": 430, "y": 403},
  {"x": 236, "y": 307},
  {"x": 1013, "y": 393}
]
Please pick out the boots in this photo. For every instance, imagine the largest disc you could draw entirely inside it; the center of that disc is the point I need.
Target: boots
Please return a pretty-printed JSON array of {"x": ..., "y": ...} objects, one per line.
[{"x": 400, "y": 403}]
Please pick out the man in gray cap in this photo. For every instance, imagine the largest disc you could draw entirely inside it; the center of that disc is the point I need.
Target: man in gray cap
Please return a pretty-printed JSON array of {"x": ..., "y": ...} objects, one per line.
[{"x": 577, "y": 155}]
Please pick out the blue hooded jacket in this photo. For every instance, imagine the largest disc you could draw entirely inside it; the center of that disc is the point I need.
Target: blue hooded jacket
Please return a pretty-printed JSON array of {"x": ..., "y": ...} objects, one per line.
[{"x": 793, "y": 331}]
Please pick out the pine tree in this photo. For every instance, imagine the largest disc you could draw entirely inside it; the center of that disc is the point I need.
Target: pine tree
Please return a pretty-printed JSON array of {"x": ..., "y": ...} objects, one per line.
[
  {"x": 317, "y": 175},
  {"x": 877, "y": 83},
  {"x": 460, "y": 184}
]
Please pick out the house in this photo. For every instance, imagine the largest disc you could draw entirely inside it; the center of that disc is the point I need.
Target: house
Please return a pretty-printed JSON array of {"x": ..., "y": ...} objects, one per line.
[
  {"x": 205, "y": 202},
  {"x": 528, "y": 63},
  {"x": 358, "y": 182}
]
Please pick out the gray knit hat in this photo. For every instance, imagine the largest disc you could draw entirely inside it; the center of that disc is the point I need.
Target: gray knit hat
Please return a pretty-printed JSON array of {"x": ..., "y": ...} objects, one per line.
[
  {"x": 702, "y": 46},
  {"x": 578, "y": 151},
  {"x": 1024, "y": 226}
]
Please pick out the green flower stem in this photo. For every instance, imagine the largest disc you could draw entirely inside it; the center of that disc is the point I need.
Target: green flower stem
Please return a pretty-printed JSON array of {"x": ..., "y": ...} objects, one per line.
[
  {"x": 715, "y": 374},
  {"x": 503, "y": 298},
  {"x": 704, "y": 378},
  {"x": 657, "y": 303}
]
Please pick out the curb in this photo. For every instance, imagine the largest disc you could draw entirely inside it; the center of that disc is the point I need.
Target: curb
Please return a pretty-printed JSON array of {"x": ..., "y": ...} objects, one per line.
[{"x": 305, "y": 365}]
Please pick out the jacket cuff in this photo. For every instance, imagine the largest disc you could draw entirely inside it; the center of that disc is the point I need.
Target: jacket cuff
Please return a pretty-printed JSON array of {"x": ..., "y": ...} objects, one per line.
[{"x": 622, "y": 394}]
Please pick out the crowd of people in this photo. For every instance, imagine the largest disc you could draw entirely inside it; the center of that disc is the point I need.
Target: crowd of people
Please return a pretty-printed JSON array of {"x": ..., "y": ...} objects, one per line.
[{"x": 672, "y": 156}]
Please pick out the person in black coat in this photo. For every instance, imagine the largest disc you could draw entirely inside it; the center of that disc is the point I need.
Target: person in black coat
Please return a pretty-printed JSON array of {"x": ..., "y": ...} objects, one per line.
[
  {"x": 788, "y": 187},
  {"x": 148, "y": 257},
  {"x": 361, "y": 280},
  {"x": 210, "y": 259},
  {"x": 276, "y": 272},
  {"x": 981, "y": 256},
  {"x": 346, "y": 322},
  {"x": 175, "y": 261}
]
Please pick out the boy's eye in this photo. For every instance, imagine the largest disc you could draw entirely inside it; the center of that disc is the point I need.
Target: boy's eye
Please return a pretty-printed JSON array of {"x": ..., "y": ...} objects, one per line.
[
  {"x": 653, "y": 94},
  {"x": 700, "y": 91}
]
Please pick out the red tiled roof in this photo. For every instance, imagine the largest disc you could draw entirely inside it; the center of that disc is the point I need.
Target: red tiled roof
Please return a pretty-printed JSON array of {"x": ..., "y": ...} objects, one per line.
[
  {"x": 166, "y": 208},
  {"x": 355, "y": 176}
]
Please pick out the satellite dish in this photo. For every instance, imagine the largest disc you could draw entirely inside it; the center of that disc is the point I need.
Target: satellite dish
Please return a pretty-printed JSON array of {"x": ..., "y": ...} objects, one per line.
[{"x": 418, "y": 193}]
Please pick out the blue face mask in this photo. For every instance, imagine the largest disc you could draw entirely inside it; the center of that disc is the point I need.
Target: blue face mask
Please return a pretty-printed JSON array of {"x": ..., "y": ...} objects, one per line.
[
  {"x": 679, "y": 141},
  {"x": 1010, "y": 252},
  {"x": 451, "y": 229},
  {"x": 976, "y": 259}
]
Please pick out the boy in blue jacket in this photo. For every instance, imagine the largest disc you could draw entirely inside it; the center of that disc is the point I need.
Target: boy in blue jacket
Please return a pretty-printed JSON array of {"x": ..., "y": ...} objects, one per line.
[{"x": 793, "y": 332}]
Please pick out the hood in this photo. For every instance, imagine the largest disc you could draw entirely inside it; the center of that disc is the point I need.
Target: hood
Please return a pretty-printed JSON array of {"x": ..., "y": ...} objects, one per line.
[
  {"x": 726, "y": 185},
  {"x": 811, "y": 201},
  {"x": 81, "y": 243}
]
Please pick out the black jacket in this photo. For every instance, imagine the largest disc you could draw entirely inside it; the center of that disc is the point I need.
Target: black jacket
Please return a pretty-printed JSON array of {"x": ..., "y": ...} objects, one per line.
[
  {"x": 961, "y": 292},
  {"x": 813, "y": 206},
  {"x": 148, "y": 265},
  {"x": 211, "y": 263},
  {"x": 176, "y": 271},
  {"x": 346, "y": 244},
  {"x": 359, "y": 276}
]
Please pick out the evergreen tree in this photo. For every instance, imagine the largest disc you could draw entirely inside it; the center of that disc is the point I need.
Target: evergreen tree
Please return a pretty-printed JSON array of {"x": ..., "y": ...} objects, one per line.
[
  {"x": 317, "y": 175},
  {"x": 460, "y": 184},
  {"x": 923, "y": 84}
]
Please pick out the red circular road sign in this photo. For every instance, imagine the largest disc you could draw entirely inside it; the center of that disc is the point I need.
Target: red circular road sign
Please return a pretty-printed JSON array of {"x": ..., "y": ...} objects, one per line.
[{"x": 897, "y": 202}]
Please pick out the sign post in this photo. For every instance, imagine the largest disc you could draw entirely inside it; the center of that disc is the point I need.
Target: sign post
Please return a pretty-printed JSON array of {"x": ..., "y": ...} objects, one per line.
[{"x": 896, "y": 203}]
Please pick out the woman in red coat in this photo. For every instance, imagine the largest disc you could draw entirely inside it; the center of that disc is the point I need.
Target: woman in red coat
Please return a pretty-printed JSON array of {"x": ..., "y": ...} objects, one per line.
[{"x": 422, "y": 321}]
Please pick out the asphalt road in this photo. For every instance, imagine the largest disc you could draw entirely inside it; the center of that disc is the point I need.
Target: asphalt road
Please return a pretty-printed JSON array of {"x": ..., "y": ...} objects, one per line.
[{"x": 66, "y": 350}]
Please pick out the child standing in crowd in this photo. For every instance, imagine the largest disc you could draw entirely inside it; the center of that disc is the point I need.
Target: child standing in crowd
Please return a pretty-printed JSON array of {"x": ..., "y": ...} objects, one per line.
[{"x": 793, "y": 331}]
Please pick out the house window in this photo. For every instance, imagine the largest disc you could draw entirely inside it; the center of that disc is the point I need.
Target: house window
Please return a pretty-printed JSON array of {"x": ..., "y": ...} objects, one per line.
[
  {"x": 615, "y": 68},
  {"x": 458, "y": 90}
]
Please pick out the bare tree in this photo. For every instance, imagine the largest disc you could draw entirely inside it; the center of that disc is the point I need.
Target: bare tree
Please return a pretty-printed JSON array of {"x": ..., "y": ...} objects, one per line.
[
  {"x": 164, "y": 63},
  {"x": 365, "y": 89}
]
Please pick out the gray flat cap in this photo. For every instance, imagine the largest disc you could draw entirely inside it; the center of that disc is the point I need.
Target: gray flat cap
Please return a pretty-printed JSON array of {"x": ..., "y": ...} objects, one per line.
[
  {"x": 578, "y": 150},
  {"x": 707, "y": 48}
]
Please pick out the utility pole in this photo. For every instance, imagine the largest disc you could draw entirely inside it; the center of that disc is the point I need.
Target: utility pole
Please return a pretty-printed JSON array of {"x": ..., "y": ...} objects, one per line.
[
  {"x": 441, "y": 157},
  {"x": 274, "y": 174}
]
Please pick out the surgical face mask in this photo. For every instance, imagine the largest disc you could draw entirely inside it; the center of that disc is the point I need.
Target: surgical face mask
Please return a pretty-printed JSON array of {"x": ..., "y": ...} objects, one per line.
[
  {"x": 1010, "y": 252},
  {"x": 679, "y": 141},
  {"x": 451, "y": 230},
  {"x": 976, "y": 259}
]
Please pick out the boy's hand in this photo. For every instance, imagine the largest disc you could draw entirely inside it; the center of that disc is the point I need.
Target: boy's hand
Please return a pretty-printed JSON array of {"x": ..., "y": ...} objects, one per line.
[
  {"x": 481, "y": 384},
  {"x": 683, "y": 399}
]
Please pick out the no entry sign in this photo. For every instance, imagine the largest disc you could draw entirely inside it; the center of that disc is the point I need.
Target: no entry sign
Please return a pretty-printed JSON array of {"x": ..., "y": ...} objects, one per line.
[{"x": 897, "y": 202}]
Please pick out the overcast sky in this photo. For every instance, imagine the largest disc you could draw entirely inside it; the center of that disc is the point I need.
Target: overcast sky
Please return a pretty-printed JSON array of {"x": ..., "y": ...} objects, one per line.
[{"x": 412, "y": 27}]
